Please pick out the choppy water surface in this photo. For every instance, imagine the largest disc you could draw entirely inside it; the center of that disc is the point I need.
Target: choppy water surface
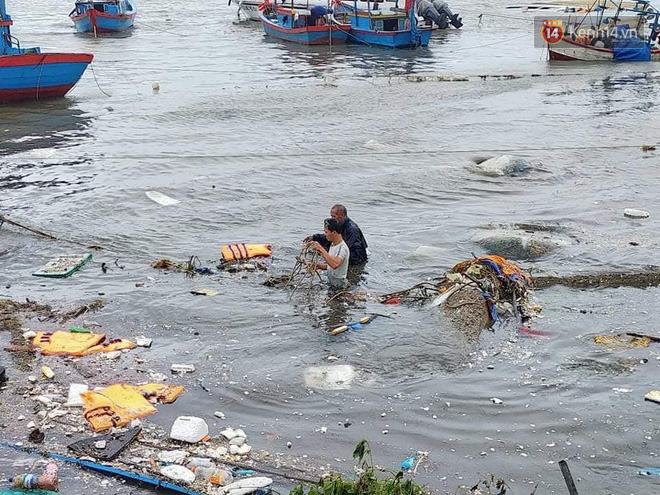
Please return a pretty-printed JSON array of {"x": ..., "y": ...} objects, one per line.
[{"x": 80, "y": 167}]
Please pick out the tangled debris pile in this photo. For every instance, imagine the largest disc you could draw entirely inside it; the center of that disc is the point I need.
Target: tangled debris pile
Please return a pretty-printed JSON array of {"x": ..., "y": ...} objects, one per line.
[{"x": 504, "y": 288}]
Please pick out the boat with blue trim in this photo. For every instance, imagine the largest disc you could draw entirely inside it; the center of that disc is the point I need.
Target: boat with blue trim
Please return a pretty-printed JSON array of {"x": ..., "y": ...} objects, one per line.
[
  {"x": 105, "y": 16},
  {"x": 312, "y": 26},
  {"x": 27, "y": 74},
  {"x": 393, "y": 28}
]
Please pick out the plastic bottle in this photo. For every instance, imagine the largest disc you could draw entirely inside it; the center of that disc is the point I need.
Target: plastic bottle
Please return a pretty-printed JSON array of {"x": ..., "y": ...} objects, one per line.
[
  {"x": 46, "y": 481},
  {"x": 213, "y": 475},
  {"x": 198, "y": 462}
]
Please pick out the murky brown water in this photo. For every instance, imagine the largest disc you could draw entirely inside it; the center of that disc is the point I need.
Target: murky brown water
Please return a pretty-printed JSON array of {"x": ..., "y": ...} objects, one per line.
[{"x": 245, "y": 133}]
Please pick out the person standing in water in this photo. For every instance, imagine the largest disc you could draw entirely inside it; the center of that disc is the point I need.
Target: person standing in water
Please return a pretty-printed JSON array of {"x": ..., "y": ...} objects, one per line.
[{"x": 336, "y": 256}]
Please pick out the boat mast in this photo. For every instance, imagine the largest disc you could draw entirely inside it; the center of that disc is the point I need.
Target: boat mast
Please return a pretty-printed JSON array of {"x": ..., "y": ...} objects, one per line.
[{"x": 5, "y": 35}]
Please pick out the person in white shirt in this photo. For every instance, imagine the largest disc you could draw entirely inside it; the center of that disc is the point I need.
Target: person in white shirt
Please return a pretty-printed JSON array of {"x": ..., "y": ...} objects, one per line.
[{"x": 336, "y": 258}]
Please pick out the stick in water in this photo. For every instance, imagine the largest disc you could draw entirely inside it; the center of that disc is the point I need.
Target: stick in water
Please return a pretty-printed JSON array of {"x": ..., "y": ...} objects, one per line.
[{"x": 568, "y": 478}]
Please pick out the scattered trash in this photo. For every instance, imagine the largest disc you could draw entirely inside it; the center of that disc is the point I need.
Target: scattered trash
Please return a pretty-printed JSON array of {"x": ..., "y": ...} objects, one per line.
[
  {"x": 77, "y": 329},
  {"x": 237, "y": 252},
  {"x": 161, "y": 199},
  {"x": 653, "y": 396},
  {"x": 74, "y": 399},
  {"x": 189, "y": 429},
  {"x": 335, "y": 377},
  {"x": 47, "y": 372},
  {"x": 356, "y": 325},
  {"x": 155, "y": 87},
  {"x": 36, "y": 436},
  {"x": 219, "y": 414},
  {"x": 178, "y": 473},
  {"x": 408, "y": 463},
  {"x": 118, "y": 404},
  {"x": 63, "y": 267},
  {"x": 495, "y": 400},
  {"x": 247, "y": 485},
  {"x": 213, "y": 475},
  {"x": 635, "y": 213},
  {"x": 78, "y": 344},
  {"x": 182, "y": 368},
  {"x": 46, "y": 481},
  {"x": 111, "y": 444},
  {"x": 204, "y": 292},
  {"x": 143, "y": 341},
  {"x": 621, "y": 342},
  {"x": 649, "y": 471},
  {"x": 173, "y": 456},
  {"x": 30, "y": 334}
]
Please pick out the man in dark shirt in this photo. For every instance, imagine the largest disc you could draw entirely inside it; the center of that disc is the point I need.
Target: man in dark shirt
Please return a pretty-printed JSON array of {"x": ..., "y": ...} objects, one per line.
[{"x": 351, "y": 234}]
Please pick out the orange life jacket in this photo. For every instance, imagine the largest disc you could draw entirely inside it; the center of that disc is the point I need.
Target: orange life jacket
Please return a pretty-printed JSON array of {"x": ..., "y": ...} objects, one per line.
[
  {"x": 235, "y": 252},
  {"x": 78, "y": 344},
  {"x": 118, "y": 404}
]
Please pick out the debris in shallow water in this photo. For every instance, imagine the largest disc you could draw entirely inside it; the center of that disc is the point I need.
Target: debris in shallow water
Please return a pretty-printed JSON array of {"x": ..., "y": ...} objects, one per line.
[
  {"x": 204, "y": 292},
  {"x": 621, "y": 342},
  {"x": 635, "y": 213},
  {"x": 182, "y": 368},
  {"x": 653, "y": 396},
  {"x": 178, "y": 473},
  {"x": 495, "y": 400},
  {"x": 189, "y": 429},
  {"x": 161, "y": 198},
  {"x": 47, "y": 372},
  {"x": 143, "y": 341},
  {"x": 219, "y": 414}
]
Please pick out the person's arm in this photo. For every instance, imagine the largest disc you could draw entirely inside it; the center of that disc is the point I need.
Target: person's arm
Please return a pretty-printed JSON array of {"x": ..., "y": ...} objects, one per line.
[{"x": 332, "y": 261}]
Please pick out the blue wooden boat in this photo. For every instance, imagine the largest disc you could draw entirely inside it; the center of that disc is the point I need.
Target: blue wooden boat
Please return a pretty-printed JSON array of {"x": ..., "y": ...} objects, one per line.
[
  {"x": 26, "y": 73},
  {"x": 104, "y": 16},
  {"x": 391, "y": 28},
  {"x": 309, "y": 27}
]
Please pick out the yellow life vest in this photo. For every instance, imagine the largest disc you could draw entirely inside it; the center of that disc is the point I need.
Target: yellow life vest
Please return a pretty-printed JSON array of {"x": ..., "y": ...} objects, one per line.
[
  {"x": 74, "y": 344},
  {"x": 78, "y": 344},
  {"x": 117, "y": 405},
  {"x": 235, "y": 252}
]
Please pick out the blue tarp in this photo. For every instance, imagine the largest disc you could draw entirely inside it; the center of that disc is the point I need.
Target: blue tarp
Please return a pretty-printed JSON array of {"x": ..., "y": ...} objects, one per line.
[{"x": 632, "y": 49}]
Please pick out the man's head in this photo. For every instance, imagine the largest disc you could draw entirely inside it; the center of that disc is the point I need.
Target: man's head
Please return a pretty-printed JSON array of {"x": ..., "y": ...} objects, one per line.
[
  {"x": 332, "y": 229},
  {"x": 338, "y": 212}
]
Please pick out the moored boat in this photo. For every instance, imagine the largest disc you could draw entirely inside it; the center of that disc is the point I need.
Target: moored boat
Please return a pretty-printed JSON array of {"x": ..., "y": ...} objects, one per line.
[
  {"x": 26, "y": 73},
  {"x": 307, "y": 26},
  {"x": 103, "y": 16},
  {"x": 393, "y": 28},
  {"x": 626, "y": 35}
]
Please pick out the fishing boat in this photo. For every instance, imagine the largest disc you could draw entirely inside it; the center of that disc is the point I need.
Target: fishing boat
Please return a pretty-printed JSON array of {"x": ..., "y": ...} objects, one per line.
[
  {"x": 26, "y": 73},
  {"x": 628, "y": 34},
  {"x": 391, "y": 27},
  {"x": 312, "y": 26},
  {"x": 104, "y": 16}
]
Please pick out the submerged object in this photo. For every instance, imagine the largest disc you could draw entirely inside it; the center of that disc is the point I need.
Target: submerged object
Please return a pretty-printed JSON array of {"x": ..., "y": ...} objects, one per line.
[
  {"x": 161, "y": 198},
  {"x": 312, "y": 26},
  {"x": 26, "y": 73},
  {"x": 498, "y": 166},
  {"x": 104, "y": 16},
  {"x": 63, "y": 267},
  {"x": 337, "y": 377}
]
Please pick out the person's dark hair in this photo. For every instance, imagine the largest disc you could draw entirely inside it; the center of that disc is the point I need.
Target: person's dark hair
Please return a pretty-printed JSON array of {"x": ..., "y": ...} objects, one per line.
[
  {"x": 341, "y": 209},
  {"x": 333, "y": 225}
]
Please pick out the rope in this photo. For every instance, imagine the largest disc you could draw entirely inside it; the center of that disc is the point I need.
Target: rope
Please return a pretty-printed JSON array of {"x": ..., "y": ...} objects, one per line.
[
  {"x": 97, "y": 82},
  {"x": 429, "y": 152},
  {"x": 142, "y": 23}
]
